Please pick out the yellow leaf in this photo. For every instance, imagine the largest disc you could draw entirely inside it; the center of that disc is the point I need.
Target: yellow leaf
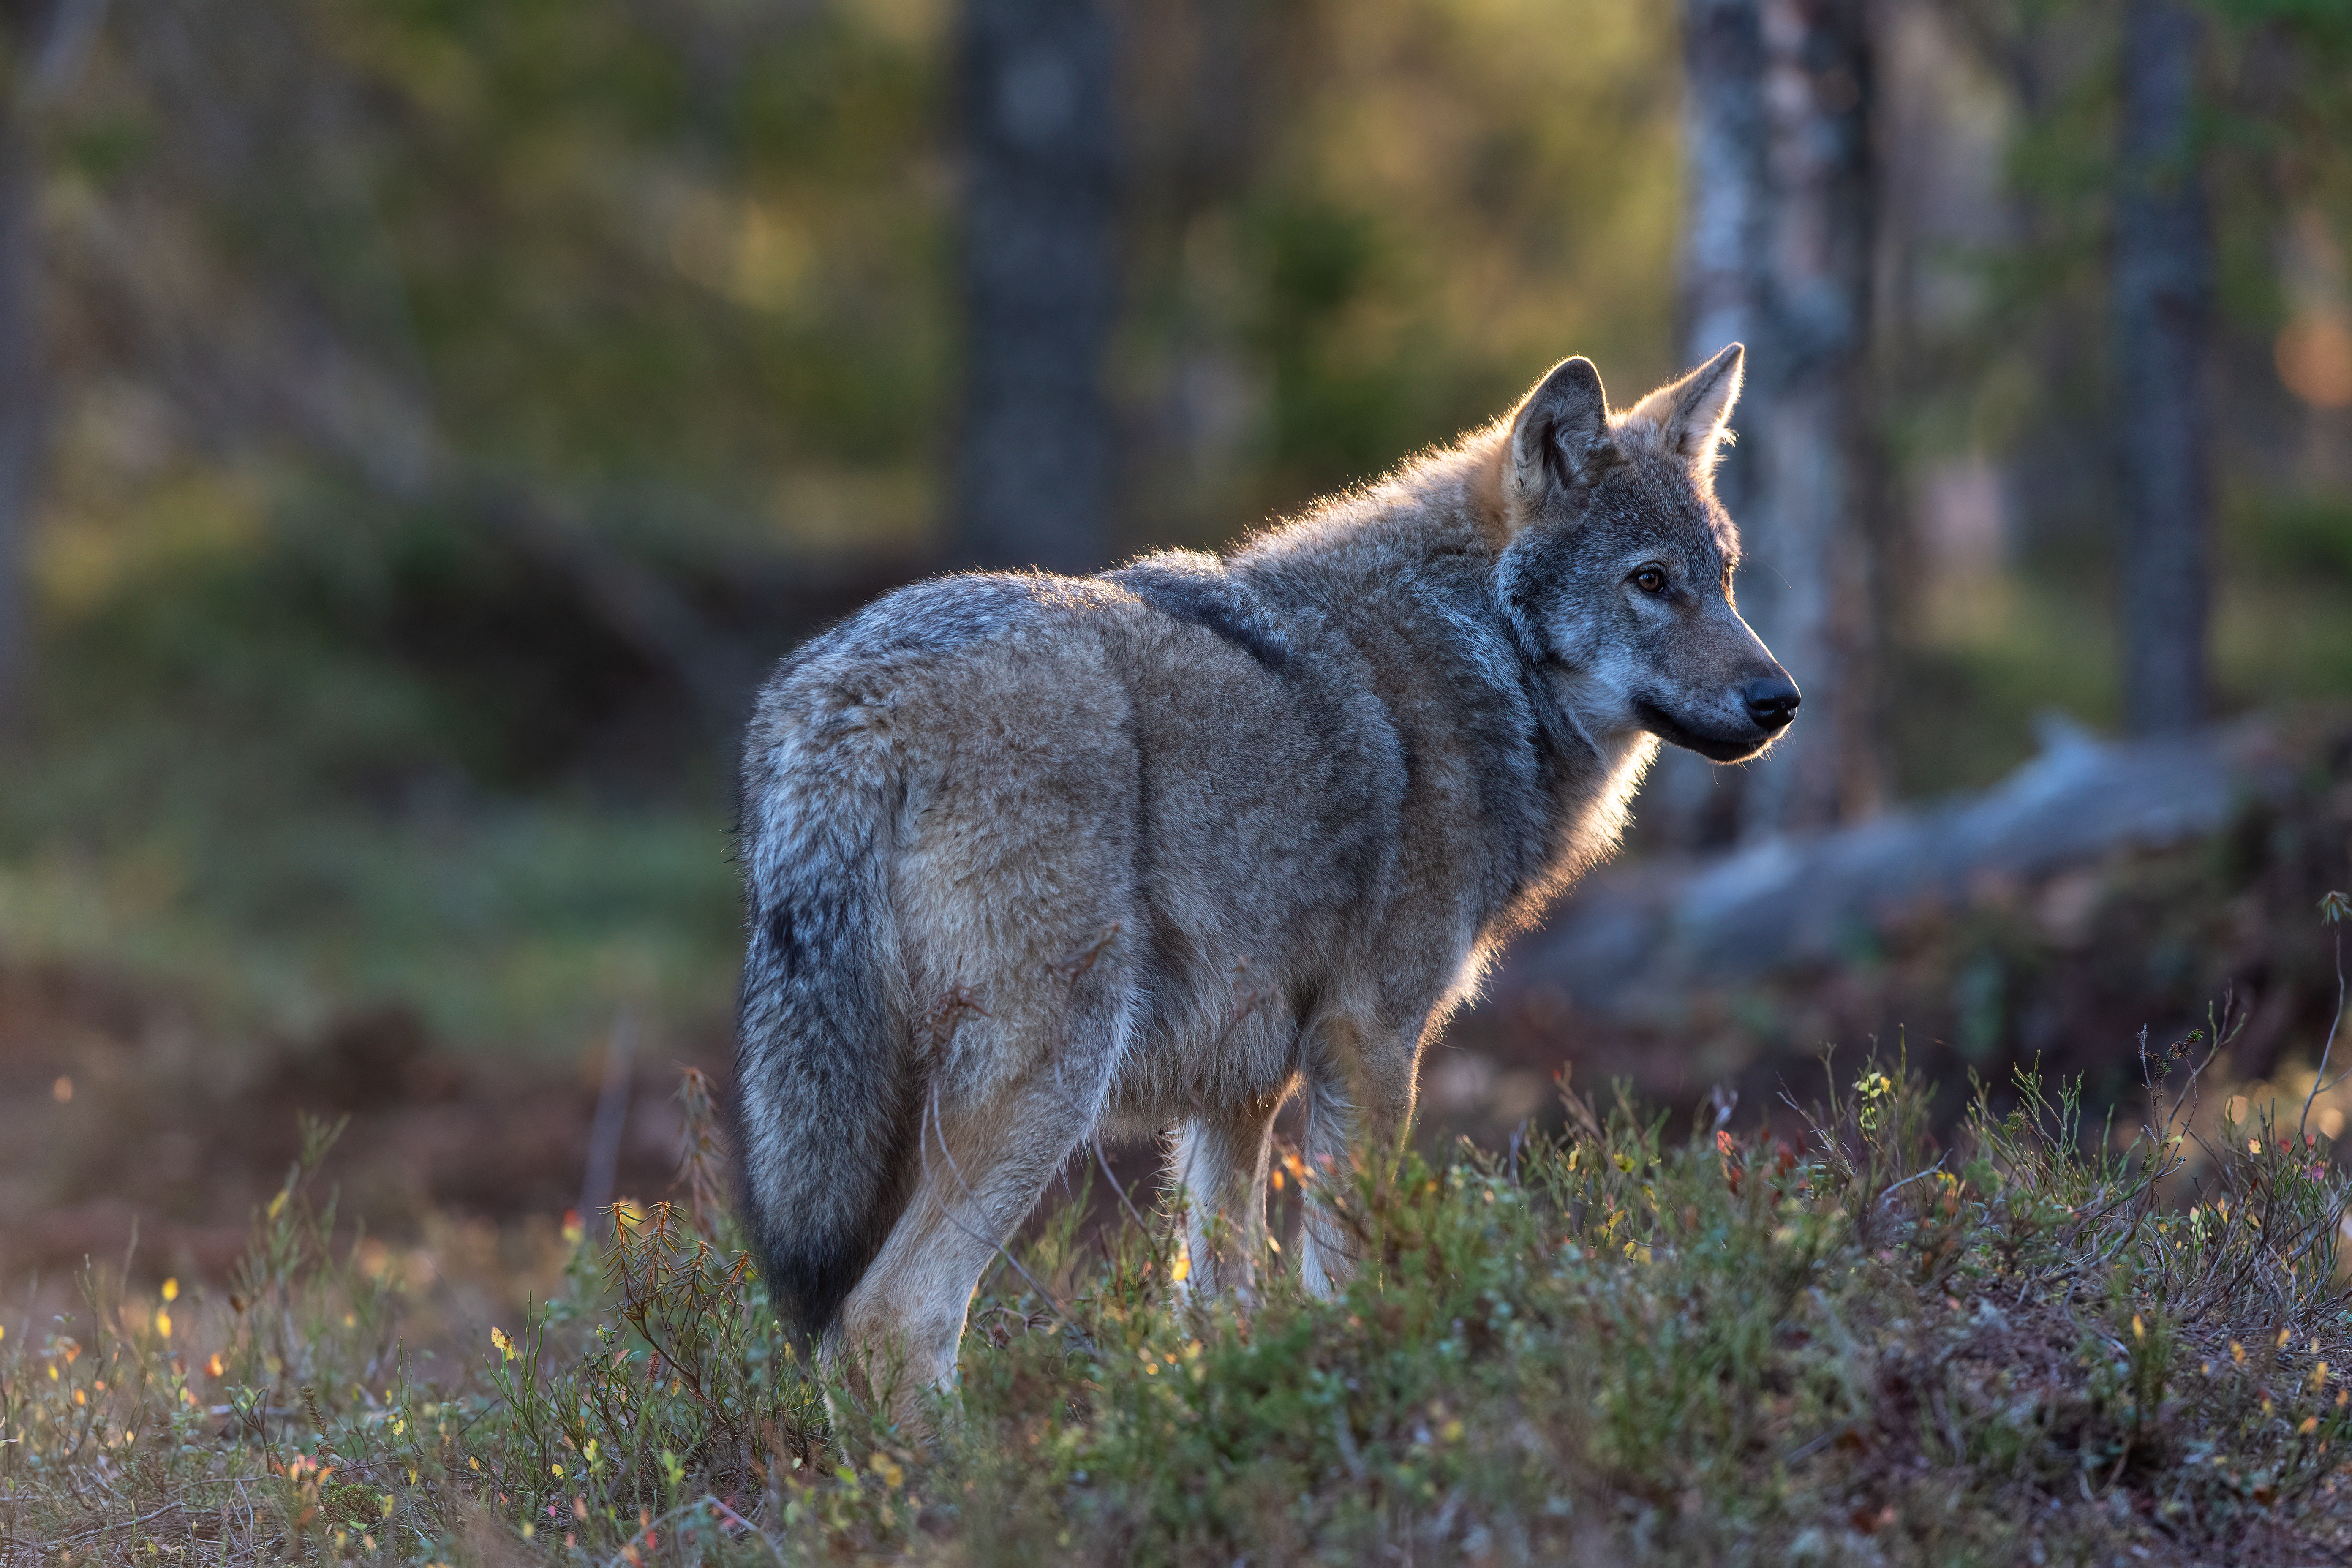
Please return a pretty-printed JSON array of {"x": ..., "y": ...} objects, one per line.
[
  {"x": 278, "y": 1203},
  {"x": 2139, "y": 1329},
  {"x": 1182, "y": 1268},
  {"x": 171, "y": 1290}
]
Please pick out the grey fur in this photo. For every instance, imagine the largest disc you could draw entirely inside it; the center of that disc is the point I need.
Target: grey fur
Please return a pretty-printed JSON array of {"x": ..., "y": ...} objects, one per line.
[{"x": 1033, "y": 858}]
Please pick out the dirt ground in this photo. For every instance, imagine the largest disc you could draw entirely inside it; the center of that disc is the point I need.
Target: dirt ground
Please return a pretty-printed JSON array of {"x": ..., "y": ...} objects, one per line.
[{"x": 119, "y": 1117}]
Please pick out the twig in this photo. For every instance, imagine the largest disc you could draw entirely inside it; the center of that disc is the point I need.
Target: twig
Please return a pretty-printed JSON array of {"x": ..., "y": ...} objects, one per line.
[
  {"x": 117, "y": 1524},
  {"x": 773, "y": 1550},
  {"x": 1807, "y": 1451},
  {"x": 2330, "y": 908},
  {"x": 610, "y": 1121},
  {"x": 1096, "y": 1144},
  {"x": 2185, "y": 1108},
  {"x": 1911, "y": 1178},
  {"x": 947, "y": 1212}
]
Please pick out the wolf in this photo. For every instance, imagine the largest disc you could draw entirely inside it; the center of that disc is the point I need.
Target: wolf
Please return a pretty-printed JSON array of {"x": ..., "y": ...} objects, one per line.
[{"x": 1031, "y": 860}]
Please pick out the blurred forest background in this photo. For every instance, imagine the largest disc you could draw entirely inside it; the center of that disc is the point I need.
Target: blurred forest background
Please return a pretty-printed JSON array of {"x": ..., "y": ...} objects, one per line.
[{"x": 421, "y": 424}]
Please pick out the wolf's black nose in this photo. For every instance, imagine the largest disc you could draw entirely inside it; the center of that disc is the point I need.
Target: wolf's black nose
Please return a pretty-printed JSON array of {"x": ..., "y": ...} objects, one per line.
[{"x": 1771, "y": 702}]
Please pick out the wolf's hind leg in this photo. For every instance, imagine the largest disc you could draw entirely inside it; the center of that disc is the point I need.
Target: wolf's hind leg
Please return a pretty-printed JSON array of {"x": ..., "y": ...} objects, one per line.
[
  {"x": 1359, "y": 1096},
  {"x": 1221, "y": 1165},
  {"x": 980, "y": 1170}
]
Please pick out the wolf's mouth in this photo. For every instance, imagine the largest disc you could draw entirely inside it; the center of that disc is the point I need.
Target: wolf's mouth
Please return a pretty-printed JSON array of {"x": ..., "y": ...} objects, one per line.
[{"x": 1713, "y": 746}]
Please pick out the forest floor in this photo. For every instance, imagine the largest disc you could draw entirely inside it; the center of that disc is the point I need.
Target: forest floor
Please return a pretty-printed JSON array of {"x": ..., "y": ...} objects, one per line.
[{"x": 1868, "y": 1345}]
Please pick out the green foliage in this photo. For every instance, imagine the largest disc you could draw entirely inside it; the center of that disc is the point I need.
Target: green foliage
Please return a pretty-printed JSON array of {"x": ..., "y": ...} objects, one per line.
[
  {"x": 1431, "y": 203},
  {"x": 2041, "y": 1341}
]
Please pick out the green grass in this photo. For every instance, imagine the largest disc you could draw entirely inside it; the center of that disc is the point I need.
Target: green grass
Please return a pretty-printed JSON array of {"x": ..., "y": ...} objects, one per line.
[{"x": 2039, "y": 1344}]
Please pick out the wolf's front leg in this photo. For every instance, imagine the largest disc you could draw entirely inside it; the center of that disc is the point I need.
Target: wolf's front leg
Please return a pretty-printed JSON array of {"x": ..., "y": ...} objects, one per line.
[
  {"x": 1221, "y": 1167},
  {"x": 1359, "y": 1096}
]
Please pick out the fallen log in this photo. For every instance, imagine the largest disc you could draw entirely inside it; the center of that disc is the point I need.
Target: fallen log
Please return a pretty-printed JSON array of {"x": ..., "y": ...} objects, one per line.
[{"x": 1633, "y": 941}]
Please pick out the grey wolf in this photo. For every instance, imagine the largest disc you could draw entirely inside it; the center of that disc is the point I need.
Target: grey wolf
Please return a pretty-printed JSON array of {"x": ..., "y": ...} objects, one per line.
[{"x": 1030, "y": 859}]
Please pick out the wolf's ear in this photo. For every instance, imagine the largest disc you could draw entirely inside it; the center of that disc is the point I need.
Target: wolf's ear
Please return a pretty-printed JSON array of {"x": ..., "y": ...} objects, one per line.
[
  {"x": 1689, "y": 415},
  {"x": 1560, "y": 437}
]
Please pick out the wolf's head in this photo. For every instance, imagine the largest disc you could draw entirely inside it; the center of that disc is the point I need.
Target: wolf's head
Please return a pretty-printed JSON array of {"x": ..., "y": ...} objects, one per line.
[{"x": 1617, "y": 569}]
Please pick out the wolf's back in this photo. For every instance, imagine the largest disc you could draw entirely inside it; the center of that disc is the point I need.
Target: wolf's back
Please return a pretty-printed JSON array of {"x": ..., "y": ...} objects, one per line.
[{"x": 824, "y": 1112}]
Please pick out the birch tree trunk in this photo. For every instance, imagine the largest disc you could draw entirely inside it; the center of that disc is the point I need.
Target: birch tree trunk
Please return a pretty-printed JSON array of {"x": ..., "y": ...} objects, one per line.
[
  {"x": 1692, "y": 804},
  {"x": 1777, "y": 254},
  {"x": 1812, "y": 584},
  {"x": 1036, "y": 460},
  {"x": 2163, "y": 293}
]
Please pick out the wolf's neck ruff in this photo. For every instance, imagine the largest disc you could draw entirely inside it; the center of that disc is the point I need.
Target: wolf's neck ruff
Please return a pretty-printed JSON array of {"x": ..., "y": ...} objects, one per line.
[{"x": 1306, "y": 786}]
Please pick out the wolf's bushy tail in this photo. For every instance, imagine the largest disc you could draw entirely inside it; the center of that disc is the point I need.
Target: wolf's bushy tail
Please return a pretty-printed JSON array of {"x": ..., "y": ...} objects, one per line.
[{"x": 824, "y": 1105}]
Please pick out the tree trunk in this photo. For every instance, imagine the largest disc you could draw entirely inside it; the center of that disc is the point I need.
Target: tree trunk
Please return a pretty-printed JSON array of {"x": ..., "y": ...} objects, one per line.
[
  {"x": 1691, "y": 805},
  {"x": 1777, "y": 254},
  {"x": 23, "y": 25},
  {"x": 1036, "y": 463},
  {"x": 2163, "y": 283},
  {"x": 1810, "y": 587},
  {"x": 1725, "y": 211}
]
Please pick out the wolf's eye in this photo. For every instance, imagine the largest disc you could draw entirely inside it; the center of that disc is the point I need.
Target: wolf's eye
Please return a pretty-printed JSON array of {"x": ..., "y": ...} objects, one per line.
[{"x": 1650, "y": 580}]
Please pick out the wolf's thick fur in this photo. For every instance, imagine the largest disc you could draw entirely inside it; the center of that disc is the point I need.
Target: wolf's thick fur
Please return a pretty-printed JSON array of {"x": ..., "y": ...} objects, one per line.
[{"x": 1033, "y": 858}]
